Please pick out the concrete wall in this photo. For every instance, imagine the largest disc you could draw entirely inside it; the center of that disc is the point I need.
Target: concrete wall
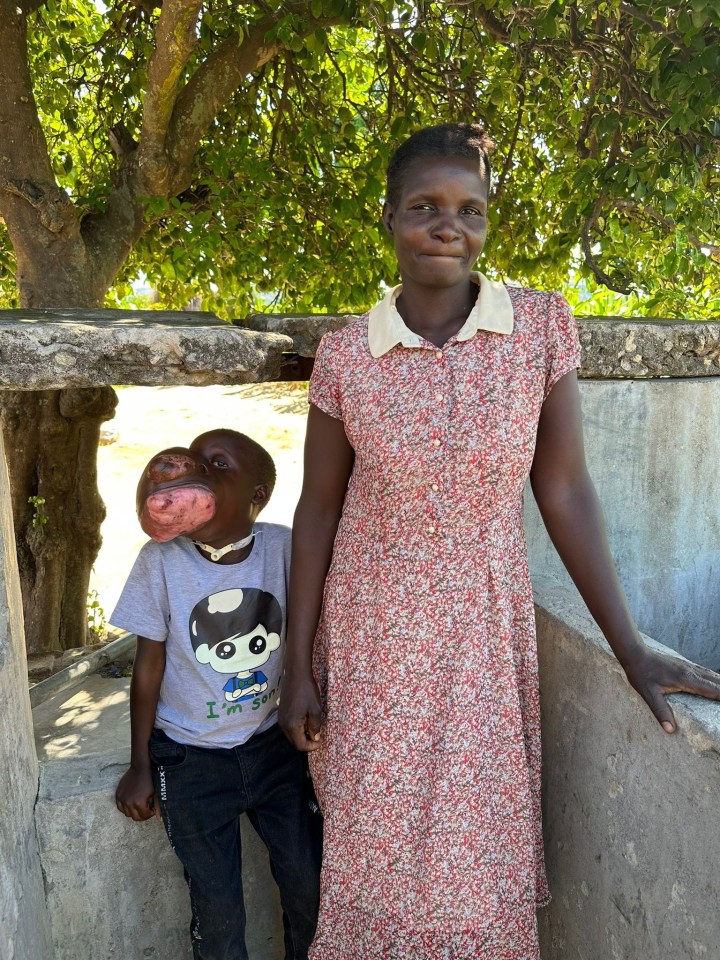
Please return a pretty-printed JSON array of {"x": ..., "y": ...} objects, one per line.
[
  {"x": 24, "y": 930},
  {"x": 653, "y": 450},
  {"x": 631, "y": 814},
  {"x": 115, "y": 889}
]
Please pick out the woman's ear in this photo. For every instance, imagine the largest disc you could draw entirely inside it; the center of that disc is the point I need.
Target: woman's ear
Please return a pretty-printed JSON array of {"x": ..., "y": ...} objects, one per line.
[{"x": 388, "y": 215}]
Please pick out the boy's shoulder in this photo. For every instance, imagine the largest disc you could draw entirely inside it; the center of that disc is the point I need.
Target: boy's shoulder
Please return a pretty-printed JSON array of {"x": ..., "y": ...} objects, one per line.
[
  {"x": 275, "y": 537},
  {"x": 278, "y": 530}
]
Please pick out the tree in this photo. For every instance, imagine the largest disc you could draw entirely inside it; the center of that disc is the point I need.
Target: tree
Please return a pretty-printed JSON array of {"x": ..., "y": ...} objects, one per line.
[{"x": 236, "y": 150}]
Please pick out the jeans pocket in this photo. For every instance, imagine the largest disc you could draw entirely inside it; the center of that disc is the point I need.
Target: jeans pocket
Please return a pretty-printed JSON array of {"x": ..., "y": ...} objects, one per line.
[{"x": 165, "y": 752}]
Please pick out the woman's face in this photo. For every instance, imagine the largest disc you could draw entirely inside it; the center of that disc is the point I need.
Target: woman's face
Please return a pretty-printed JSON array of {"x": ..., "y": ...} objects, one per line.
[{"x": 439, "y": 224}]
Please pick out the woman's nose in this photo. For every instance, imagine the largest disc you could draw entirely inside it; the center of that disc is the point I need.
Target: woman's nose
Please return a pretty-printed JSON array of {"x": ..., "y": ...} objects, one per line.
[{"x": 446, "y": 229}]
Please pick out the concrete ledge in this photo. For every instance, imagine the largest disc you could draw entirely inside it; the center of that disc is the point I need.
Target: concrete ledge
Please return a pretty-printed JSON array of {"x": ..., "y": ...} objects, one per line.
[
  {"x": 612, "y": 347},
  {"x": 81, "y": 348},
  {"x": 630, "y": 813},
  {"x": 71, "y": 675},
  {"x": 305, "y": 329},
  {"x": 619, "y": 347}
]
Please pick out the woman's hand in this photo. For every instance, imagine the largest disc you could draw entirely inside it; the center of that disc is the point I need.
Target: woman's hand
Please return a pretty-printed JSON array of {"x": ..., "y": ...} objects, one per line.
[
  {"x": 135, "y": 795},
  {"x": 653, "y": 675},
  {"x": 299, "y": 711}
]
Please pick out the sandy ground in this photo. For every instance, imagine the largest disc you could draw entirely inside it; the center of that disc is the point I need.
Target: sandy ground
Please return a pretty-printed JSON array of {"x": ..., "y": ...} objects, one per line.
[{"x": 149, "y": 419}]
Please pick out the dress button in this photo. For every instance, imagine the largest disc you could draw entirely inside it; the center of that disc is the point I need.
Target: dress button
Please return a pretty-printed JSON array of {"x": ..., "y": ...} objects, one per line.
[
  {"x": 439, "y": 354},
  {"x": 436, "y": 443},
  {"x": 439, "y": 397},
  {"x": 435, "y": 487},
  {"x": 431, "y": 529}
]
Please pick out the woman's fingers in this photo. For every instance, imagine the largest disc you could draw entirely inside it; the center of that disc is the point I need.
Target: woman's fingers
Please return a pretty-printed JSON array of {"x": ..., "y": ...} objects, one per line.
[
  {"x": 701, "y": 681},
  {"x": 670, "y": 675}
]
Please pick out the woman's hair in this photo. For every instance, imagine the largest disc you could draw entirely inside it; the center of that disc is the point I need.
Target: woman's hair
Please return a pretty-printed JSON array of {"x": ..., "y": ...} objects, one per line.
[{"x": 447, "y": 140}]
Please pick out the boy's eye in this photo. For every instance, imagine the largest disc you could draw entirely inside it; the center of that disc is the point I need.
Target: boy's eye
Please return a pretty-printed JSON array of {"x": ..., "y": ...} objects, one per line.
[
  {"x": 219, "y": 462},
  {"x": 471, "y": 211}
]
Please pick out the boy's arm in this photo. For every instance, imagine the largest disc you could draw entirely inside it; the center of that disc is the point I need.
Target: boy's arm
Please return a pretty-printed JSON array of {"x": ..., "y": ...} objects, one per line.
[{"x": 135, "y": 796}]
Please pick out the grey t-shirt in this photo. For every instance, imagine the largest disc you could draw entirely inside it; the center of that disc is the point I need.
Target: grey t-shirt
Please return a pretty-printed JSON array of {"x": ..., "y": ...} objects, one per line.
[{"x": 224, "y": 625}]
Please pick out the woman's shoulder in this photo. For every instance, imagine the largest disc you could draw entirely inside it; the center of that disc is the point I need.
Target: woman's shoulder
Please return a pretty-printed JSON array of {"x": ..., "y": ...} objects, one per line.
[
  {"x": 347, "y": 328},
  {"x": 528, "y": 298},
  {"x": 351, "y": 336},
  {"x": 536, "y": 312}
]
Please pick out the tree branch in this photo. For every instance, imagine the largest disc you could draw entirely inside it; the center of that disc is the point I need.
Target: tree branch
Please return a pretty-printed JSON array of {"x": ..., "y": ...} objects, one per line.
[
  {"x": 36, "y": 211},
  {"x": 23, "y": 142},
  {"x": 660, "y": 28},
  {"x": 215, "y": 81},
  {"x": 175, "y": 39},
  {"x": 211, "y": 87},
  {"x": 497, "y": 29},
  {"x": 631, "y": 207},
  {"x": 586, "y": 243},
  {"x": 507, "y": 166}
]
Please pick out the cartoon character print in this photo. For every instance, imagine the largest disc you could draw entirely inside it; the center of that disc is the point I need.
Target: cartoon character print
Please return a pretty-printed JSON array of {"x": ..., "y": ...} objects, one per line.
[{"x": 235, "y": 631}]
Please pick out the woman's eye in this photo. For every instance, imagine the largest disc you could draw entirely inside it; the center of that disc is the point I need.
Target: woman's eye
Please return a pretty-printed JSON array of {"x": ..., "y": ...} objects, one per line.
[
  {"x": 471, "y": 211},
  {"x": 217, "y": 462}
]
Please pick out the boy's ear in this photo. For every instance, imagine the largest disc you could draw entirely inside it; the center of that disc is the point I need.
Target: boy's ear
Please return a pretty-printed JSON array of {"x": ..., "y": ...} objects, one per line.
[
  {"x": 261, "y": 495},
  {"x": 388, "y": 215}
]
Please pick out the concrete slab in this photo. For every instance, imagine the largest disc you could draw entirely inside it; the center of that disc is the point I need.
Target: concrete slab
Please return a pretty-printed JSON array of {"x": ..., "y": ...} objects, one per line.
[
  {"x": 115, "y": 889},
  {"x": 630, "y": 813}
]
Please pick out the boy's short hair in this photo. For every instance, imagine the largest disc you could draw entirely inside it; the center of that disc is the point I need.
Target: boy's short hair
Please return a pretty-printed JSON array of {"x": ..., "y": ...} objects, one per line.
[{"x": 258, "y": 460}]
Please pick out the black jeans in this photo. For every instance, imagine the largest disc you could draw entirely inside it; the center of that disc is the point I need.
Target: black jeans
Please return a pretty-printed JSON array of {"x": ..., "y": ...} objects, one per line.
[{"x": 201, "y": 793}]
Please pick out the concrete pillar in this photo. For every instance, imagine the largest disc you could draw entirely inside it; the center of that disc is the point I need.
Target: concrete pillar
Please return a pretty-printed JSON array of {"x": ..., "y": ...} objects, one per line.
[{"x": 24, "y": 926}]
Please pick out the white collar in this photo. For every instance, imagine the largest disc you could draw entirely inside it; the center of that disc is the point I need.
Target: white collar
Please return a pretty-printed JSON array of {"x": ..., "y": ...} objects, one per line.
[{"x": 492, "y": 311}]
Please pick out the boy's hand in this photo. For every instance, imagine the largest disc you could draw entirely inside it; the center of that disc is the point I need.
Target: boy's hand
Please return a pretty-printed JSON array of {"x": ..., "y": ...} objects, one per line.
[
  {"x": 299, "y": 712},
  {"x": 653, "y": 675},
  {"x": 135, "y": 795}
]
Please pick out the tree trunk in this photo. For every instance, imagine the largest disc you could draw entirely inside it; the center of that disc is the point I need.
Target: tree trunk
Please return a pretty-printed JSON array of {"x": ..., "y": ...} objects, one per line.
[{"x": 51, "y": 440}]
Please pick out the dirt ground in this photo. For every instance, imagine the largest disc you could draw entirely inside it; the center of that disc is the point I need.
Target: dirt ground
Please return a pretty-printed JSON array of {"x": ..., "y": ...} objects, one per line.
[{"x": 149, "y": 419}]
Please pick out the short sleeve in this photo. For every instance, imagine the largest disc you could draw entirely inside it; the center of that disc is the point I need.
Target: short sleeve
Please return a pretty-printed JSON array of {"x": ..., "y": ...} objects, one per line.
[
  {"x": 143, "y": 606},
  {"x": 563, "y": 343},
  {"x": 324, "y": 390}
]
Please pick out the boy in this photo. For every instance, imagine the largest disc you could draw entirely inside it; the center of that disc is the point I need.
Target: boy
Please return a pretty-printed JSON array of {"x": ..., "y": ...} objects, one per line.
[{"x": 206, "y": 598}]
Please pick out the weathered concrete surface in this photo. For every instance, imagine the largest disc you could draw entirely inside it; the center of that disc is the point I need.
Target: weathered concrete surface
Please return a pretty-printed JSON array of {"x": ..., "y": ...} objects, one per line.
[
  {"x": 615, "y": 347},
  {"x": 611, "y": 347},
  {"x": 115, "y": 889},
  {"x": 631, "y": 814},
  {"x": 99, "y": 348},
  {"x": 24, "y": 927},
  {"x": 306, "y": 330},
  {"x": 653, "y": 450}
]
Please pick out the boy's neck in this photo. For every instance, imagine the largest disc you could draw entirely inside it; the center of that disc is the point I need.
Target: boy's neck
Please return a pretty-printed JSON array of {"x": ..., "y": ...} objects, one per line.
[{"x": 222, "y": 551}]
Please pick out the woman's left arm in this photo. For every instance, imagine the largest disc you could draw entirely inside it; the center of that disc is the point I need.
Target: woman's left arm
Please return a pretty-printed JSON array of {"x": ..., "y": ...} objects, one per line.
[{"x": 571, "y": 512}]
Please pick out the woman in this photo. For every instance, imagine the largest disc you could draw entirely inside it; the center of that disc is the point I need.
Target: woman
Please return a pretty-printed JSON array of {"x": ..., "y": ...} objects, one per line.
[{"x": 422, "y": 717}]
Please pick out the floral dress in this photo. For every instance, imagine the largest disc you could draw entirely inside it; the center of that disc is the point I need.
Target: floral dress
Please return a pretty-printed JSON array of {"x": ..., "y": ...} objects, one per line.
[{"x": 429, "y": 773}]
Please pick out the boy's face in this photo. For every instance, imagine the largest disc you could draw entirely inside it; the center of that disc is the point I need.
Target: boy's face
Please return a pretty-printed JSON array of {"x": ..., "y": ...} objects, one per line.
[{"x": 206, "y": 491}]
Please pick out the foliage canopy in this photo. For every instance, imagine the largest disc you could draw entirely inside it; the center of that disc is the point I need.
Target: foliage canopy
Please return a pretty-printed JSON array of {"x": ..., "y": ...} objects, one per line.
[{"x": 605, "y": 116}]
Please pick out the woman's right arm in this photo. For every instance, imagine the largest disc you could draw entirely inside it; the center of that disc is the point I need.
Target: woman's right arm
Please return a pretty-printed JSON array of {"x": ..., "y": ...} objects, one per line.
[
  {"x": 329, "y": 461},
  {"x": 135, "y": 796}
]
